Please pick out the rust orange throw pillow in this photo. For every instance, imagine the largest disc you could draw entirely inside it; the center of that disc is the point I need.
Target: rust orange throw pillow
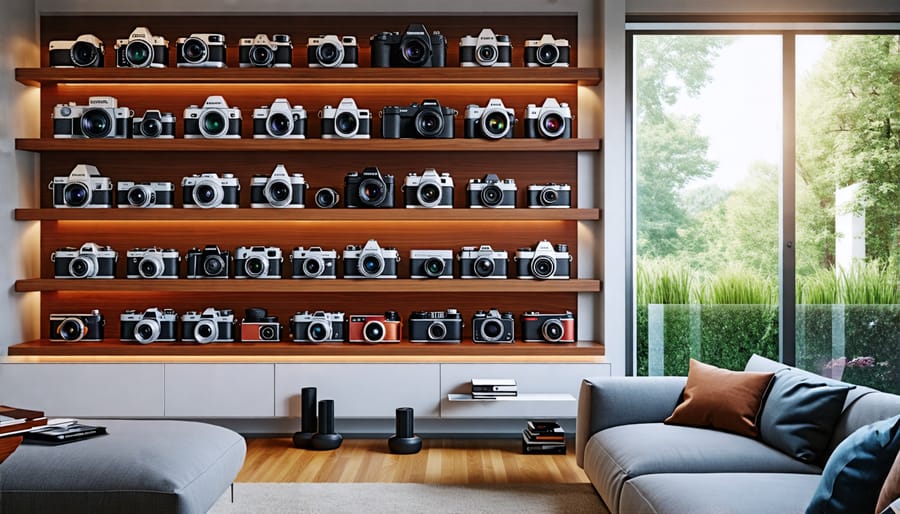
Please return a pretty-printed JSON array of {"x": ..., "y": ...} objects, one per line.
[{"x": 722, "y": 399}]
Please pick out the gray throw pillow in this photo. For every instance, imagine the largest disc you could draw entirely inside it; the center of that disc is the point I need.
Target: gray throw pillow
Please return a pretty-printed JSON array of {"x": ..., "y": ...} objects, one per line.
[{"x": 800, "y": 414}]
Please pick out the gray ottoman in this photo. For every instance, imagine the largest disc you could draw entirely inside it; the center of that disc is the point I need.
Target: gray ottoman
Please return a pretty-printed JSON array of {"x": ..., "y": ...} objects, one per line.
[{"x": 142, "y": 466}]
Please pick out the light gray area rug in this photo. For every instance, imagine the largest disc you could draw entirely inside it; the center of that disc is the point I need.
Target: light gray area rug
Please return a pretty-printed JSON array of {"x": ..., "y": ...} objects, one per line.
[{"x": 369, "y": 498}]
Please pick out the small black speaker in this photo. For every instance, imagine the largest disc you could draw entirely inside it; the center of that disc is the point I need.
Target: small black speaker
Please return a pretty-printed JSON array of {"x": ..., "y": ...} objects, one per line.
[
  {"x": 308, "y": 423},
  {"x": 405, "y": 441},
  {"x": 326, "y": 438}
]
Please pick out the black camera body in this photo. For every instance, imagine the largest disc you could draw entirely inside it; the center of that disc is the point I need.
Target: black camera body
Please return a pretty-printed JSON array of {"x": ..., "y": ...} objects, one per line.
[
  {"x": 313, "y": 263},
  {"x": 549, "y": 196},
  {"x": 147, "y": 195},
  {"x": 201, "y": 51},
  {"x": 428, "y": 120},
  {"x": 210, "y": 262},
  {"x": 152, "y": 263},
  {"x": 491, "y": 192},
  {"x": 414, "y": 48},
  {"x": 84, "y": 52},
  {"x": 262, "y": 262},
  {"x": 142, "y": 50},
  {"x": 332, "y": 51},
  {"x": 430, "y": 190},
  {"x": 318, "y": 327},
  {"x": 544, "y": 262},
  {"x": 369, "y": 189},
  {"x": 370, "y": 261},
  {"x": 210, "y": 326},
  {"x": 435, "y": 326},
  {"x": 262, "y": 52},
  {"x": 77, "y": 327},
  {"x": 493, "y": 327},
  {"x": 153, "y": 125},
  {"x": 149, "y": 326},
  {"x": 482, "y": 262}
]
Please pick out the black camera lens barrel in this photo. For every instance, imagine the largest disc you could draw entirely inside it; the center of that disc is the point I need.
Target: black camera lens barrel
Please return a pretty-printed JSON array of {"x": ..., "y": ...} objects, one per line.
[
  {"x": 261, "y": 55},
  {"x": 374, "y": 331},
  {"x": 138, "y": 53},
  {"x": 194, "y": 50},
  {"x": 491, "y": 195},
  {"x": 327, "y": 197},
  {"x": 76, "y": 194},
  {"x": 543, "y": 266},
  {"x": 372, "y": 191},
  {"x": 547, "y": 54},
  {"x": 96, "y": 123},
  {"x": 84, "y": 54},
  {"x": 552, "y": 330},
  {"x": 549, "y": 196},
  {"x": 483, "y": 267},
  {"x": 72, "y": 329},
  {"x": 437, "y": 331},
  {"x": 491, "y": 329},
  {"x": 434, "y": 267},
  {"x": 213, "y": 265},
  {"x": 429, "y": 122}
]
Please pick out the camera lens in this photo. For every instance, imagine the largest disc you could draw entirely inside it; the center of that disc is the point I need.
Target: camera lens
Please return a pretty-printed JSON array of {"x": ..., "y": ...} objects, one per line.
[
  {"x": 213, "y": 123},
  {"x": 491, "y": 330},
  {"x": 552, "y": 330},
  {"x": 140, "y": 196},
  {"x": 371, "y": 265},
  {"x": 76, "y": 194},
  {"x": 82, "y": 267},
  {"x": 552, "y": 124},
  {"x": 279, "y": 125},
  {"x": 429, "y": 123},
  {"x": 261, "y": 55},
  {"x": 543, "y": 266},
  {"x": 313, "y": 267},
  {"x": 138, "y": 53},
  {"x": 326, "y": 198},
  {"x": 96, "y": 123},
  {"x": 146, "y": 331},
  {"x": 346, "y": 124},
  {"x": 213, "y": 266},
  {"x": 278, "y": 193},
  {"x": 372, "y": 192},
  {"x": 437, "y": 331},
  {"x": 486, "y": 55},
  {"x": 256, "y": 266},
  {"x": 547, "y": 54},
  {"x": 491, "y": 195},
  {"x": 84, "y": 54},
  {"x": 434, "y": 267},
  {"x": 150, "y": 267},
  {"x": 151, "y": 127},
  {"x": 414, "y": 51},
  {"x": 429, "y": 194},
  {"x": 268, "y": 333},
  {"x": 483, "y": 267},
  {"x": 318, "y": 331},
  {"x": 71, "y": 329},
  {"x": 549, "y": 196},
  {"x": 208, "y": 194},
  {"x": 496, "y": 124},
  {"x": 373, "y": 331},
  {"x": 206, "y": 331},
  {"x": 329, "y": 54},
  {"x": 194, "y": 50}
]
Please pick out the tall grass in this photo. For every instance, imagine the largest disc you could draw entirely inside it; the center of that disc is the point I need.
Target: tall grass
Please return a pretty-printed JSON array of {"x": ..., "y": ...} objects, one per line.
[
  {"x": 821, "y": 288},
  {"x": 736, "y": 285},
  {"x": 663, "y": 281},
  {"x": 865, "y": 283}
]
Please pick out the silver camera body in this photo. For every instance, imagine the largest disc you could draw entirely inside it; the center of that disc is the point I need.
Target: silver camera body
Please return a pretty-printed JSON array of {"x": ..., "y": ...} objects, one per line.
[
  {"x": 152, "y": 263},
  {"x": 262, "y": 52},
  {"x": 549, "y": 196},
  {"x": 208, "y": 191},
  {"x": 153, "y": 125},
  {"x": 370, "y": 261},
  {"x": 146, "y": 195},
  {"x": 485, "y": 49},
  {"x": 491, "y": 192},
  {"x": 279, "y": 190},
  {"x": 482, "y": 262},
  {"x": 212, "y": 325},
  {"x": 201, "y": 51},
  {"x": 214, "y": 120},
  {"x": 346, "y": 121},
  {"x": 431, "y": 264},
  {"x": 547, "y": 51},
  {"x": 142, "y": 50},
  {"x": 314, "y": 263},
  {"x": 101, "y": 118},
  {"x": 83, "y": 187},
  {"x": 431, "y": 190},
  {"x": 551, "y": 120},
  {"x": 544, "y": 262},
  {"x": 84, "y": 52},
  {"x": 318, "y": 327},
  {"x": 331, "y": 51},
  {"x": 280, "y": 121},
  {"x": 263, "y": 262},
  {"x": 493, "y": 121},
  {"x": 150, "y": 326},
  {"x": 88, "y": 261}
]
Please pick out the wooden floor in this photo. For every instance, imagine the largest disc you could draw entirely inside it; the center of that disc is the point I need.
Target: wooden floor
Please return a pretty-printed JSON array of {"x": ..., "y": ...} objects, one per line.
[{"x": 441, "y": 461}]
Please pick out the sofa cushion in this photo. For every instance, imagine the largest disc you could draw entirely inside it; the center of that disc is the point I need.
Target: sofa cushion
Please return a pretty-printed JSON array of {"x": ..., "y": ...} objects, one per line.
[
  {"x": 799, "y": 415},
  {"x": 855, "y": 472},
  {"x": 718, "y": 493},
  {"x": 722, "y": 399},
  {"x": 890, "y": 491},
  {"x": 617, "y": 454}
]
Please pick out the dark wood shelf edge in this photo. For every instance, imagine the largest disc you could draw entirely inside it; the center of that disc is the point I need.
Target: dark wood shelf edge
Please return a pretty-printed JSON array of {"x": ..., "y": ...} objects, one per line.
[{"x": 46, "y": 348}]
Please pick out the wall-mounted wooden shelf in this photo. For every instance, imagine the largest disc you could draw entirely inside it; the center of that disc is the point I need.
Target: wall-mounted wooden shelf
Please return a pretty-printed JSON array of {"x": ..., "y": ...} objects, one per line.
[
  {"x": 307, "y": 145},
  {"x": 308, "y": 214},
  {"x": 288, "y": 285},
  {"x": 37, "y": 77}
]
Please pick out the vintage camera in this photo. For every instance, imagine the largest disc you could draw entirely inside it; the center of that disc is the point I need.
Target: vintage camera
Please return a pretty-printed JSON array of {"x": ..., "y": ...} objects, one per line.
[
  {"x": 280, "y": 120},
  {"x": 431, "y": 264},
  {"x": 547, "y": 51},
  {"x": 318, "y": 327},
  {"x": 69, "y": 328},
  {"x": 545, "y": 261},
  {"x": 84, "y": 52},
  {"x": 158, "y": 195},
  {"x": 369, "y": 189},
  {"x": 89, "y": 261},
  {"x": 491, "y": 192},
  {"x": 435, "y": 327},
  {"x": 262, "y": 52},
  {"x": 142, "y": 50},
  {"x": 100, "y": 118},
  {"x": 552, "y": 120},
  {"x": 493, "y": 327},
  {"x": 201, "y": 51},
  {"x": 487, "y": 49},
  {"x": 547, "y": 328},
  {"x": 154, "y": 125},
  {"x": 278, "y": 190},
  {"x": 152, "y": 263},
  {"x": 210, "y": 326},
  {"x": 257, "y": 262},
  {"x": 431, "y": 190},
  {"x": 415, "y": 48},
  {"x": 149, "y": 326},
  {"x": 208, "y": 191},
  {"x": 332, "y": 51},
  {"x": 83, "y": 187},
  {"x": 346, "y": 121},
  {"x": 374, "y": 328},
  {"x": 210, "y": 262},
  {"x": 313, "y": 263},
  {"x": 482, "y": 262},
  {"x": 370, "y": 261},
  {"x": 215, "y": 120},
  {"x": 427, "y": 120},
  {"x": 549, "y": 196},
  {"x": 258, "y": 327},
  {"x": 493, "y": 121},
  {"x": 327, "y": 198}
]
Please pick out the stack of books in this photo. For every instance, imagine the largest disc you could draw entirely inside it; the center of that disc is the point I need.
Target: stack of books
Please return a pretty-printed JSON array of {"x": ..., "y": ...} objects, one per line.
[
  {"x": 493, "y": 388},
  {"x": 14, "y": 420},
  {"x": 544, "y": 436}
]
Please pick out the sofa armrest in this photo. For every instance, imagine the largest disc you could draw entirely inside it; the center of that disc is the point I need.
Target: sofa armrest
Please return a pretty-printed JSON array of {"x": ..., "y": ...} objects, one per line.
[{"x": 608, "y": 402}]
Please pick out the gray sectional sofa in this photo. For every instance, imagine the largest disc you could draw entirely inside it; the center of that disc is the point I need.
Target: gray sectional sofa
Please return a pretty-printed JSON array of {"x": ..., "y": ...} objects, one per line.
[{"x": 638, "y": 464}]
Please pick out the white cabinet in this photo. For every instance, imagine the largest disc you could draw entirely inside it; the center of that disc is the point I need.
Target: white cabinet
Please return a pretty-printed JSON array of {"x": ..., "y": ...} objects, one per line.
[{"x": 220, "y": 390}]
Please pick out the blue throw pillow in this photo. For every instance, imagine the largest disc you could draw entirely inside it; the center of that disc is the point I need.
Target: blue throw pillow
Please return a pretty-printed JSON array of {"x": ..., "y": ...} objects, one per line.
[
  {"x": 854, "y": 473},
  {"x": 800, "y": 413}
]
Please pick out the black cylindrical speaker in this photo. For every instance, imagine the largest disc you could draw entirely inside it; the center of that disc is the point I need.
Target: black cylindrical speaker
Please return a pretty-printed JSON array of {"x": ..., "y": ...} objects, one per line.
[
  {"x": 308, "y": 423},
  {"x": 326, "y": 438},
  {"x": 405, "y": 441}
]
